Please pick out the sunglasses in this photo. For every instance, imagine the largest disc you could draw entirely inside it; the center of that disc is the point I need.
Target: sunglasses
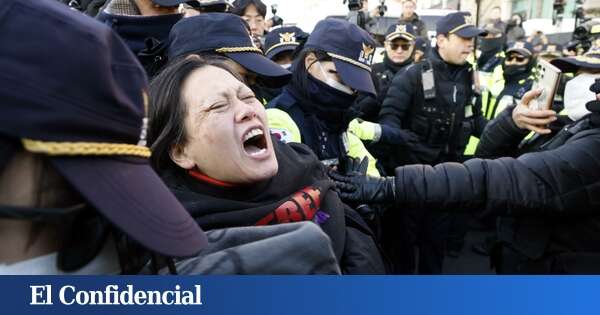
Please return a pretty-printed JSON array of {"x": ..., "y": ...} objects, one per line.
[
  {"x": 516, "y": 58},
  {"x": 395, "y": 46}
]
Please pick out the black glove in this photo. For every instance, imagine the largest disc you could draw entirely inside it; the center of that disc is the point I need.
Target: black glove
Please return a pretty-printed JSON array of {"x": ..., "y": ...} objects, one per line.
[{"x": 356, "y": 186}]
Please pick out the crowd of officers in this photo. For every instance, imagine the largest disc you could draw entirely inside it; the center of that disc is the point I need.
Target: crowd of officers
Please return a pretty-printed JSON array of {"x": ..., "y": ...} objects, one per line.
[{"x": 425, "y": 144}]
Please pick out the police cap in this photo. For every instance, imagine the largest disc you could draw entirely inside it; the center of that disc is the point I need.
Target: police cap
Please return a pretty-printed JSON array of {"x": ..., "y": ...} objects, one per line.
[{"x": 81, "y": 101}]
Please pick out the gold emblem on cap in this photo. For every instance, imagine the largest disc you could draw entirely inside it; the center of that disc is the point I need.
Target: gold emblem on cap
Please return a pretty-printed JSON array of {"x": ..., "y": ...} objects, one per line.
[
  {"x": 520, "y": 45},
  {"x": 289, "y": 37},
  {"x": 551, "y": 48},
  {"x": 401, "y": 28},
  {"x": 366, "y": 55}
]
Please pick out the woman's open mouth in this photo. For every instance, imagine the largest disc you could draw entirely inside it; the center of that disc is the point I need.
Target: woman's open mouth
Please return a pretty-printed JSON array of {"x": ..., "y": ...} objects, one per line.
[{"x": 255, "y": 143}]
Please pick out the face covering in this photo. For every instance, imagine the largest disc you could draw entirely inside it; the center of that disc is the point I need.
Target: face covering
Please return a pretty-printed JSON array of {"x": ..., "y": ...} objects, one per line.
[
  {"x": 514, "y": 70},
  {"x": 577, "y": 94},
  {"x": 328, "y": 103},
  {"x": 491, "y": 44},
  {"x": 333, "y": 83}
]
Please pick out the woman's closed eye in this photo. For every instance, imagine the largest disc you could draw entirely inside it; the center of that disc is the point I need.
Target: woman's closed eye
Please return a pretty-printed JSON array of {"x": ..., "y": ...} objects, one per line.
[
  {"x": 217, "y": 106},
  {"x": 248, "y": 97}
]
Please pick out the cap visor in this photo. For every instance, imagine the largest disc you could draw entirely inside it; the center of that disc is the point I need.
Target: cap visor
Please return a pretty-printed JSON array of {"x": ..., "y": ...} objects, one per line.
[
  {"x": 521, "y": 51},
  {"x": 356, "y": 77},
  {"x": 569, "y": 65},
  {"x": 132, "y": 196},
  {"x": 402, "y": 36},
  {"x": 470, "y": 32},
  {"x": 169, "y": 3},
  {"x": 280, "y": 49},
  {"x": 272, "y": 74}
]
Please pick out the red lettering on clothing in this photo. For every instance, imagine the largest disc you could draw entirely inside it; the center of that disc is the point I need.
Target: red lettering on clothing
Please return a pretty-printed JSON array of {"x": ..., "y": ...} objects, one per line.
[{"x": 301, "y": 206}]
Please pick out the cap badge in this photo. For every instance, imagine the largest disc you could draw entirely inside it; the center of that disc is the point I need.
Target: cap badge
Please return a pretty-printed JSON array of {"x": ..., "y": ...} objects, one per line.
[
  {"x": 287, "y": 37},
  {"x": 366, "y": 55},
  {"x": 551, "y": 48},
  {"x": 520, "y": 45},
  {"x": 401, "y": 28}
]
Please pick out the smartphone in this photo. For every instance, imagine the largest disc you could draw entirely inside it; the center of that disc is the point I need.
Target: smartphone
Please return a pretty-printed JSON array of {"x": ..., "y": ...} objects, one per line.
[{"x": 547, "y": 80}]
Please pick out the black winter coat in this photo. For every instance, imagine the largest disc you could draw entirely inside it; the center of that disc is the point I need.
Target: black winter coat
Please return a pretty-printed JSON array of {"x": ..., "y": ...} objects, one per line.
[
  {"x": 300, "y": 191},
  {"x": 442, "y": 125},
  {"x": 548, "y": 201}
]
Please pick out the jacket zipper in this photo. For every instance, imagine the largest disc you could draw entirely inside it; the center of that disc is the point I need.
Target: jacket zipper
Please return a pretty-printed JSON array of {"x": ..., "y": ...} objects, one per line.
[{"x": 452, "y": 120}]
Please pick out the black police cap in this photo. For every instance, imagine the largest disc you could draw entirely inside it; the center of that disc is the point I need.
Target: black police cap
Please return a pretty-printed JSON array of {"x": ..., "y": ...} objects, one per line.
[
  {"x": 404, "y": 31},
  {"x": 590, "y": 60},
  {"x": 283, "y": 39},
  {"x": 459, "y": 23},
  {"x": 226, "y": 34},
  {"x": 74, "y": 92},
  {"x": 522, "y": 47},
  {"x": 351, "y": 48}
]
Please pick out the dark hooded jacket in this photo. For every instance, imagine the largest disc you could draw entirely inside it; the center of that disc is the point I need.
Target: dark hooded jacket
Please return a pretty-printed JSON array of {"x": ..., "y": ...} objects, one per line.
[
  {"x": 546, "y": 200},
  {"x": 300, "y": 191}
]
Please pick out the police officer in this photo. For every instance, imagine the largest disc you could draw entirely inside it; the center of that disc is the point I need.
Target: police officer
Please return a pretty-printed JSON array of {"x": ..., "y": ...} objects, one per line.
[
  {"x": 315, "y": 108},
  {"x": 434, "y": 99},
  {"x": 492, "y": 48},
  {"x": 489, "y": 63},
  {"x": 508, "y": 80},
  {"x": 399, "y": 51},
  {"x": 71, "y": 126},
  {"x": 431, "y": 107},
  {"x": 228, "y": 36},
  {"x": 77, "y": 194},
  {"x": 545, "y": 194},
  {"x": 551, "y": 51},
  {"x": 282, "y": 42},
  {"x": 518, "y": 77}
]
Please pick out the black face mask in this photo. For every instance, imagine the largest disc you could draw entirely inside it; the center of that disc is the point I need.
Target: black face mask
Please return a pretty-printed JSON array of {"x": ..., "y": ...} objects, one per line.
[
  {"x": 512, "y": 70},
  {"x": 330, "y": 103},
  {"x": 491, "y": 44}
]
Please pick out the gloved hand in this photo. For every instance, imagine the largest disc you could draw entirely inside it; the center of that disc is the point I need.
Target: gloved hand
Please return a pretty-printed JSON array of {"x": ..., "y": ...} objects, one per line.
[
  {"x": 365, "y": 130},
  {"x": 356, "y": 186}
]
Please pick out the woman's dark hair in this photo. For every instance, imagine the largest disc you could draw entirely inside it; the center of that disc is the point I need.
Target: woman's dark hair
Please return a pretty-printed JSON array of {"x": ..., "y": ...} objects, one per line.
[
  {"x": 299, "y": 71},
  {"x": 168, "y": 108}
]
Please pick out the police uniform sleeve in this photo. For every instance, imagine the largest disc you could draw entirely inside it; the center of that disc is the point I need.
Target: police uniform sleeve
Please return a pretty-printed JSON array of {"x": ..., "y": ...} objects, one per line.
[
  {"x": 356, "y": 149},
  {"x": 282, "y": 126},
  {"x": 557, "y": 182}
]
